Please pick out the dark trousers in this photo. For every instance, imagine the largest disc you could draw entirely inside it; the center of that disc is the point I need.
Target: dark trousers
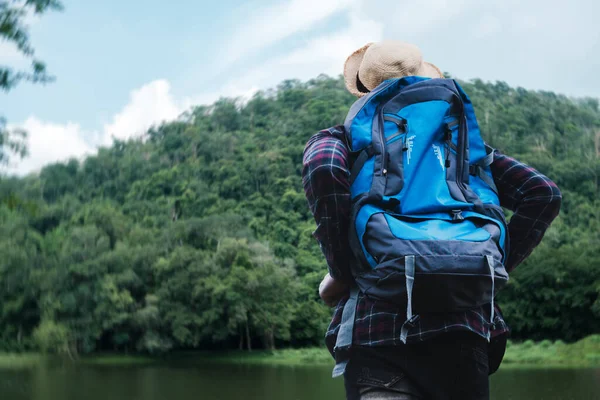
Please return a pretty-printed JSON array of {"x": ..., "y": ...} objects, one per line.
[{"x": 450, "y": 366}]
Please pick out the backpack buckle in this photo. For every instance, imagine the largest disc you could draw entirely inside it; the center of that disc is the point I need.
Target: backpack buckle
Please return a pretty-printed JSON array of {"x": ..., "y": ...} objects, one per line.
[
  {"x": 457, "y": 215},
  {"x": 412, "y": 322},
  {"x": 450, "y": 125}
]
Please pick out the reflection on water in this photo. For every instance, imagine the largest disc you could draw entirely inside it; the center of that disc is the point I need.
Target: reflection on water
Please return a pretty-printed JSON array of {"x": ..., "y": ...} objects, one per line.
[
  {"x": 189, "y": 380},
  {"x": 543, "y": 384}
]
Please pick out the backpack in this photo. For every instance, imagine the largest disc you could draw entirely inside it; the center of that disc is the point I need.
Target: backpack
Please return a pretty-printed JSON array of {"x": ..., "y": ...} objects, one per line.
[{"x": 426, "y": 224}]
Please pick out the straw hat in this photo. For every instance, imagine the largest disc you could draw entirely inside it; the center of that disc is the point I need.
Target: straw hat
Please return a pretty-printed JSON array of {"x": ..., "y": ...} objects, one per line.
[{"x": 372, "y": 64}]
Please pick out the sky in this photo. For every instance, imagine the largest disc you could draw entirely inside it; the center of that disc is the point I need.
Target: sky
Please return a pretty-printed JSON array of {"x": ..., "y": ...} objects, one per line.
[{"x": 123, "y": 66}]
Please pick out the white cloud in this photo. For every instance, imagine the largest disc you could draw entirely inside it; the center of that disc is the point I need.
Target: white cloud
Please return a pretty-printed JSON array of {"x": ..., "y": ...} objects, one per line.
[
  {"x": 271, "y": 25},
  {"x": 407, "y": 20},
  {"x": 49, "y": 142},
  {"x": 324, "y": 54},
  {"x": 148, "y": 105},
  {"x": 327, "y": 54}
]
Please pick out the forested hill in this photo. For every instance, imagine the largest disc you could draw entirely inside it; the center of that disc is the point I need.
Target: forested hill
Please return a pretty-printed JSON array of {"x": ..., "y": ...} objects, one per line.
[{"x": 199, "y": 234}]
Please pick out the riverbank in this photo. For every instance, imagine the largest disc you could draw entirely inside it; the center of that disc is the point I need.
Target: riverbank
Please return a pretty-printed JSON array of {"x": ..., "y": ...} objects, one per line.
[
  {"x": 545, "y": 354},
  {"x": 22, "y": 360},
  {"x": 291, "y": 357}
]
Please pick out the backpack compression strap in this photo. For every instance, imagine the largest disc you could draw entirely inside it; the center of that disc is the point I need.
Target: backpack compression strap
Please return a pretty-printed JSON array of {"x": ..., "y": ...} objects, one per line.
[
  {"x": 344, "y": 337},
  {"x": 477, "y": 168},
  {"x": 490, "y": 262},
  {"x": 409, "y": 271}
]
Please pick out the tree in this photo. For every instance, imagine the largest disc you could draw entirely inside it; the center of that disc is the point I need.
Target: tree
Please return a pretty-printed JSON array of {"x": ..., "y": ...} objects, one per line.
[
  {"x": 13, "y": 29},
  {"x": 11, "y": 141},
  {"x": 52, "y": 338},
  {"x": 19, "y": 273},
  {"x": 257, "y": 292}
]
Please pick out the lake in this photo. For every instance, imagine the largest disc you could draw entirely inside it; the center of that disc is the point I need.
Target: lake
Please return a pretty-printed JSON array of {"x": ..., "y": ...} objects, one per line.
[{"x": 187, "y": 380}]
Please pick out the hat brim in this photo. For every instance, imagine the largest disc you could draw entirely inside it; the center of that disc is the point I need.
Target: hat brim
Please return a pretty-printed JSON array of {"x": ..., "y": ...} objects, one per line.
[
  {"x": 430, "y": 71},
  {"x": 351, "y": 70},
  {"x": 355, "y": 59}
]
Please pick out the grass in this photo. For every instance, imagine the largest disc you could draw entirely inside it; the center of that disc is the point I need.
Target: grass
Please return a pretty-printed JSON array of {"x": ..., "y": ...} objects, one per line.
[
  {"x": 584, "y": 353},
  {"x": 117, "y": 360},
  {"x": 293, "y": 357},
  {"x": 544, "y": 354},
  {"x": 19, "y": 361},
  {"x": 30, "y": 360}
]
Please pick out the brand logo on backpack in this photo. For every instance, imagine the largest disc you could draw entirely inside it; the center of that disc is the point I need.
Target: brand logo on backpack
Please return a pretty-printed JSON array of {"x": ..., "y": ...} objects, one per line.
[
  {"x": 438, "y": 154},
  {"x": 409, "y": 147}
]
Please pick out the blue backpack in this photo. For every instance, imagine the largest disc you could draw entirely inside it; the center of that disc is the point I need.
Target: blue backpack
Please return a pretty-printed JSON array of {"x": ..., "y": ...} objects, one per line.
[{"x": 426, "y": 224}]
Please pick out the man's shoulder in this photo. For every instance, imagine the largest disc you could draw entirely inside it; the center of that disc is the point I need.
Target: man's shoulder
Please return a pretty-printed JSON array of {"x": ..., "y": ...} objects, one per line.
[
  {"x": 333, "y": 135},
  {"x": 337, "y": 131}
]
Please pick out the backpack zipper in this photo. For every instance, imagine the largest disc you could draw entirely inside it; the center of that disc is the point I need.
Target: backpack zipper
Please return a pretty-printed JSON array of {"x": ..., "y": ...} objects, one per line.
[
  {"x": 461, "y": 154},
  {"x": 383, "y": 143},
  {"x": 401, "y": 124}
]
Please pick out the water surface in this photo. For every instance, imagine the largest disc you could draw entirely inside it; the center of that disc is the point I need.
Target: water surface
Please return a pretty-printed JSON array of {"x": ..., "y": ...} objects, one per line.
[{"x": 187, "y": 380}]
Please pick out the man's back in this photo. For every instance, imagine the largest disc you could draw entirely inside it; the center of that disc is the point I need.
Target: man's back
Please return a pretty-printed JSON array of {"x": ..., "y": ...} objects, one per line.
[{"x": 534, "y": 199}]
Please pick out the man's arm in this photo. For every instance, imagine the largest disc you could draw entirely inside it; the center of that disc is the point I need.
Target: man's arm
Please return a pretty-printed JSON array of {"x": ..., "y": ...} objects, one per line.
[
  {"x": 533, "y": 197},
  {"x": 325, "y": 177}
]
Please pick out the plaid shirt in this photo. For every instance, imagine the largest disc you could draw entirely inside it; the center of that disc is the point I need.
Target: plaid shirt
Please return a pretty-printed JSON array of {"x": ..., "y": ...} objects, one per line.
[{"x": 534, "y": 198}]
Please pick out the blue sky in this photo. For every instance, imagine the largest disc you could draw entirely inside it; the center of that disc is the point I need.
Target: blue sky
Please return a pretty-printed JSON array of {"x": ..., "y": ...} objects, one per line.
[{"x": 122, "y": 66}]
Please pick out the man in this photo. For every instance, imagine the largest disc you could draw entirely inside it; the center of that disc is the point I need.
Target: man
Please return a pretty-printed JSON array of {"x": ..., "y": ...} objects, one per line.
[{"x": 446, "y": 355}]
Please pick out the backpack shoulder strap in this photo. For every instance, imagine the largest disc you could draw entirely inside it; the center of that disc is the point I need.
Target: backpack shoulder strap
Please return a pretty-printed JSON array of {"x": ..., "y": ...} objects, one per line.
[
  {"x": 357, "y": 165},
  {"x": 477, "y": 169}
]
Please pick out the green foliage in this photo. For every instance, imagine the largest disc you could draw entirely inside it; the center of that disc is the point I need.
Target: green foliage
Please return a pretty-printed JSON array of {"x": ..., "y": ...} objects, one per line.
[
  {"x": 52, "y": 337},
  {"x": 563, "y": 283},
  {"x": 584, "y": 353},
  {"x": 13, "y": 29},
  {"x": 11, "y": 141},
  {"x": 198, "y": 235}
]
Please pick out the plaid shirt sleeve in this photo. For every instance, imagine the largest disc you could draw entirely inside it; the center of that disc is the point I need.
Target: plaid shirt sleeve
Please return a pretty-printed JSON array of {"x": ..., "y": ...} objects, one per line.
[
  {"x": 325, "y": 177},
  {"x": 533, "y": 197}
]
